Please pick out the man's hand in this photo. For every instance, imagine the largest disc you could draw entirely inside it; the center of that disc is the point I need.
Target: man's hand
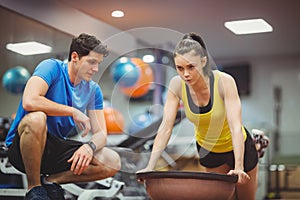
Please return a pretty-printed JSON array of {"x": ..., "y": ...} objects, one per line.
[
  {"x": 81, "y": 159},
  {"x": 82, "y": 121}
]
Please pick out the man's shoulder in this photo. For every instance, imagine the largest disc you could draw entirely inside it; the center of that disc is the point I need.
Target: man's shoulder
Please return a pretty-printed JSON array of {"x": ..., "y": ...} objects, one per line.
[{"x": 51, "y": 60}]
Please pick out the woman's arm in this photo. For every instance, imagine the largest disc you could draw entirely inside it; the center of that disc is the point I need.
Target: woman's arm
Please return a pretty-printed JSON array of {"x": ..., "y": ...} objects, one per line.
[
  {"x": 234, "y": 117},
  {"x": 165, "y": 129}
]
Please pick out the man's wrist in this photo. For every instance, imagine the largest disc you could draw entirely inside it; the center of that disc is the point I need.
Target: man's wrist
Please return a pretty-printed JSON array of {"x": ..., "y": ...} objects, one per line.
[{"x": 92, "y": 145}]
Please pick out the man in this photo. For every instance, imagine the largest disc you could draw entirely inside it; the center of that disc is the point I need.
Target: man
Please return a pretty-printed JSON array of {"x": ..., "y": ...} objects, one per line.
[{"x": 59, "y": 99}]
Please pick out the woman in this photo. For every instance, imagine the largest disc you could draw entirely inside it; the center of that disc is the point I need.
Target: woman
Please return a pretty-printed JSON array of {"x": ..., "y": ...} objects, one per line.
[{"x": 212, "y": 104}]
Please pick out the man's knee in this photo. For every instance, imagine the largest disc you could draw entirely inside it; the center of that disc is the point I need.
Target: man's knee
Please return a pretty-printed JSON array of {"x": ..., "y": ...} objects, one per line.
[
  {"x": 117, "y": 163},
  {"x": 33, "y": 122},
  {"x": 115, "y": 160},
  {"x": 110, "y": 162}
]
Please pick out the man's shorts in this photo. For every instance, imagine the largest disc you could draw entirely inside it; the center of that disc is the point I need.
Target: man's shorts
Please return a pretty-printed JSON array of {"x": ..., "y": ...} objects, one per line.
[{"x": 54, "y": 160}]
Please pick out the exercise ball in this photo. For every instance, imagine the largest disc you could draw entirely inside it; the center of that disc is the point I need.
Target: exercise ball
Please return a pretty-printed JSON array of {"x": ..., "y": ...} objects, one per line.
[
  {"x": 114, "y": 121},
  {"x": 144, "y": 82},
  {"x": 124, "y": 73},
  {"x": 15, "y": 79},
  {"x": 141, "y": 121}
]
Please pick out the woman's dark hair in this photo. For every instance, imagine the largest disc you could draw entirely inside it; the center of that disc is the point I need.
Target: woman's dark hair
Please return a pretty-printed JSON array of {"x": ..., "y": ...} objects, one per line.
[
  {"x": 85, "y": 43},
  {"x": 193, "y": 42}
]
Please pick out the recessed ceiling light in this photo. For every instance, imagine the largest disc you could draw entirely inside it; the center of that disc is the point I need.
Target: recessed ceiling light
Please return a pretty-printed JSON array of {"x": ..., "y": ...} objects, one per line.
[
  {"x": 29, "y": 48},
  {"x": 249, "y": 26},
  {"x": 117, "y": 13}
]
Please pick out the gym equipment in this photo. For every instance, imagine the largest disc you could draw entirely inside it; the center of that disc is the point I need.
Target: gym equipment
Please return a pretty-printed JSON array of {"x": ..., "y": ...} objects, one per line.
[
  {"x": 277, "y": 91},
  {"x": 111, "y": 188},
  {"x": 141, "y": 137},
  {"x": 5, "y": 124},
  {"x": 141, "y": 121},
  {"x": 114, "y": 120},
  {"x": 261, "y": 141},
  {"x": 161, "y": 185},
  {"x": 144, "y": 82},
  {"x": 282, "y": 170},
  {"x": 15, "y": 79},
  {"x": 7, "y": 168},
  {"x": 124, "y": 72},
  {"x": 175, "y": 185}
]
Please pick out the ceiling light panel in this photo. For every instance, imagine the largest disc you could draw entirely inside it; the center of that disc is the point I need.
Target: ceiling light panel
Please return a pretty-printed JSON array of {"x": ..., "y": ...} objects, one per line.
[
  {"x": 29, "y": 48},
  {"x": 249, "y": 26}
]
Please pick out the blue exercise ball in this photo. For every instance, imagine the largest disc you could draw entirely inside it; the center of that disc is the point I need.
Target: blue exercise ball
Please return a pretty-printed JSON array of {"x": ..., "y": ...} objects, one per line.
[
  {"x": 124, "y": 73},
  {"x": 15, "y": 79}
]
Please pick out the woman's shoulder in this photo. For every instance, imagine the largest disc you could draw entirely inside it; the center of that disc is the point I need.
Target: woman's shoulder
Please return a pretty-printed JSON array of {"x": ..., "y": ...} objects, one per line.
[
  {"x": 226, "y": 83},
  {"x": 175, "y": 85},
  {"x": 176, "y": 79},
  {"x": 223, "y": 76}
]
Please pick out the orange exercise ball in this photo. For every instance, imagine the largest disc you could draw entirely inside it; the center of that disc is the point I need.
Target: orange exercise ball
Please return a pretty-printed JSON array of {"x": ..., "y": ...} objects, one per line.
[
  {"x": 145, "y": 79},
  {"x": 114, "y": 119}
]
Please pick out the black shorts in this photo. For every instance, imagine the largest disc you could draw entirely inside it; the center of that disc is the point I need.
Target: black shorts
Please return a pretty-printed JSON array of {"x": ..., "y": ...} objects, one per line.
[
  {"x": 57, "y": 152},
  {"x": 211, "y": 160}
]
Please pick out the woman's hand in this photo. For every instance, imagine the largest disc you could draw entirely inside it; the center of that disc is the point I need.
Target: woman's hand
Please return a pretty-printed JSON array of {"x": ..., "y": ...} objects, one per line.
[
  {"x": 144, "y": 170},
  {"x": 141, "y": 171},
  {"x": 243, "y": 177}
]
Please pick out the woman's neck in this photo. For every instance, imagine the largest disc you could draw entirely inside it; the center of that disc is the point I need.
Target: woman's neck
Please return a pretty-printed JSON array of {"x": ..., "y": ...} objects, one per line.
[{"x": 200, "y": 92}]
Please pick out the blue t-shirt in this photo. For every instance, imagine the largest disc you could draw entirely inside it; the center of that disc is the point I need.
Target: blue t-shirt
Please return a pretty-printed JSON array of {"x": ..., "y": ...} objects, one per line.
[{"x": 84, "y": 96}]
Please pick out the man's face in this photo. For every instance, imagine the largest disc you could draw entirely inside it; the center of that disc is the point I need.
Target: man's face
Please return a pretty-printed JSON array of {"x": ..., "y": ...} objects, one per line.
[{"x": 88, "y": 66}]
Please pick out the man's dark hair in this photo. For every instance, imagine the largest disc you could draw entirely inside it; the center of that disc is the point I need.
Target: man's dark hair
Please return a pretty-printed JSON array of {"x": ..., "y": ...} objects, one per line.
[{"x": 85, "y": 43}]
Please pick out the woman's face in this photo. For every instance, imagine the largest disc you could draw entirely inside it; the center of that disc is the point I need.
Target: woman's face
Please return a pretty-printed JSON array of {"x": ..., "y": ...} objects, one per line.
[{"x": 190, "y": 67}]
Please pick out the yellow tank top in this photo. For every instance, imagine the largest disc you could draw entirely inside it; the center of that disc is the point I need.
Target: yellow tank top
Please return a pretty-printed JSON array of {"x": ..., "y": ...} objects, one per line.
[{"x": 211, "y": 128}]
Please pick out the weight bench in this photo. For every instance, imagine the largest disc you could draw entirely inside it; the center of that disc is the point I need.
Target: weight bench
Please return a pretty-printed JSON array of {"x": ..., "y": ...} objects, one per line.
[{"x": 7, "y": 168}]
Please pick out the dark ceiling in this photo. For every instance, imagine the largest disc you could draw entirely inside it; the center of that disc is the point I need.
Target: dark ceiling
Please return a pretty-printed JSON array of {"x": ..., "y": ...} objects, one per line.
[{"x": 207, "y": 18}]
